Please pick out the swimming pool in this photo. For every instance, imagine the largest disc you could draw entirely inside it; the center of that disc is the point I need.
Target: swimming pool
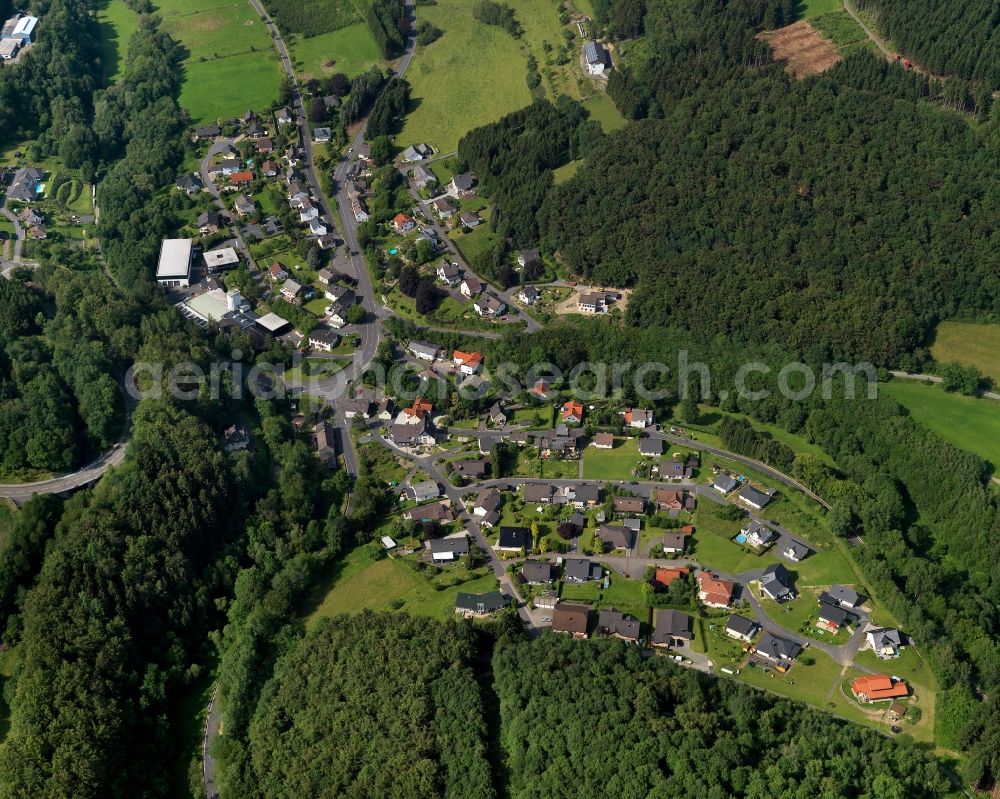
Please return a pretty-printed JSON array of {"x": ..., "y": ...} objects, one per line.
[
  {"x": 740, "y": 539},
  {"x": 394, "y": 251}
]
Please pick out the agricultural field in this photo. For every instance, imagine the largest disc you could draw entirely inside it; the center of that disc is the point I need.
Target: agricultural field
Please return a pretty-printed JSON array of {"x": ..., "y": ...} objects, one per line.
[
  {"x": 350, "y": 50},
  {"x": 359, "y": 581},
  {"x": 117, "y": 22},
  {"x": 969, "y": 344},
  {"x": 967, "y": 422},
  {"x": 231, "y": 64}
]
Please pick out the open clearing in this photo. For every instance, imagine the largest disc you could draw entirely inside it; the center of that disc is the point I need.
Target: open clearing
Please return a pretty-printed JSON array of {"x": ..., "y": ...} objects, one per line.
[
  {"x": 117, "y": 22},
  {"x": 967, "y": 422},
  {"x": 802, "y": 48},
  {"x": 231, "y": 64},
  {"x": 350, "y": 50},
  {"x": 970, "y": 344}
]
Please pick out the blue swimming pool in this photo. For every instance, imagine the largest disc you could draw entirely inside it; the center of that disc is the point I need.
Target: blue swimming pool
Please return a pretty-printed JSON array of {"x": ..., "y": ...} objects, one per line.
[
  {"x": 393, "y": 251},
  {"x": 740, "y": 539}
]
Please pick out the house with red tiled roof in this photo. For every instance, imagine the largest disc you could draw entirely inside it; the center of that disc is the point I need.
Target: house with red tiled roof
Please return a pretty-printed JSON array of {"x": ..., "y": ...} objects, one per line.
[
  {"x": 877, "y": 687},
  {"x": 401, "y": 223},
  {"x": 665, "y": 576},
  {"x": 715, "y": 592},
  {"x": 241, "y": 178},
  {"x": 572, "y": 412},
  {"x": 467, "y": 362}
]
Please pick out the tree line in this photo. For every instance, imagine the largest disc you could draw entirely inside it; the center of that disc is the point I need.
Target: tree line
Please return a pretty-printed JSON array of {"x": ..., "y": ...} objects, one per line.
[{"x": 389, "y": 23}]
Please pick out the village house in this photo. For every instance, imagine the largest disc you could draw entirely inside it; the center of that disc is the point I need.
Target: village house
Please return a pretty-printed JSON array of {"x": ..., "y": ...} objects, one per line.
[
  {"x": 754, "y": 498},
  {"x": 424, "y": 351},
  {"x": 741, "y": 628},
  {"x": 537, "y": 572},
  {"x": 269, "y": 169},
  {"x": 671, "y": 629},
  {"x": 596, "y": 58},
  {"x": 756, "y": 535},
  {"x": 776, "y": 582},
  {"x": 618, "y": 625},
  {"x": 423, "y": 177},
  {"x": 674, "y": 543},
  {"x": 527, "y": 258},
  {"x": 443, "y": 207},
  {"x": 715, "y": 592},
  {"x": 433, "y": 512},
  {"x": 209, "y": 222},
  {"x": 421, "y": 492},
  {"x": 473, "y": 469},
  {"x": 628, "y": 505},
  {"x": 604, "y": 441},
  {"x": 886, "y": 643},
  {"x": 487, "y": 502},
  {"x": 831, "y": 617},
  {"x": 469, "y": 219},
  {"x": 496, "y": 416},
  {"x": 478, "y": 605},
  {"x": 580, "y": 570},
  {"x": 471, "y": 287},
  {"x": 323, "y": 339},
  {"x": 776, "y": 651},
  {"x": 572, "y": 412},
  {"x": 235, "y": 439},
  {"x": 535, "y": 493},
  {"x": 190, "y": 183},
  {"x": 667, "y": 499},
  {"x": 445, "y": 550},
  {"x": 489, "y": 306},
  {"x": 401, "y": 223},
  {"x": 449, "y": 273},
  {"x": 793, "y": 550},
  {"x": 277, "y": 271},
  {"x": 665, "y": 575},
  {"x": 571, "y": 619},
  {"x": 724, "y": 483},
  {"x": 637, "y": 418},
  {"x": 462, "y": 186},
  {"x": 243, "y": 205},
  {"x": 514, "y": 539},
  {"x": 877, "y": 688},
  {"x": 290, "y": 290},
  {"x": 529, "y": 295},
  {"x": 324, "y": 440},
  {"x": 468, "y": 363},
  {"x": 651, "y": 447},
  {"x": 616, "y": 536}
]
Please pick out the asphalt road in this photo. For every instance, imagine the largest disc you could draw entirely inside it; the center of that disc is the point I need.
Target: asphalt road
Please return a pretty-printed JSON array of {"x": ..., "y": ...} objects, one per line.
[{"x": 218, "y": 146}]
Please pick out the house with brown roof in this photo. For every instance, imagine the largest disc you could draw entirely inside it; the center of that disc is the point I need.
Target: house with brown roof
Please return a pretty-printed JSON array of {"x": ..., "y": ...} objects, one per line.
[
  {"x": 668, "y": 499},
  {"x": 618, "y": 625},
  {"x": 571, "y": 619},
  {"x": 604, "y": 441},
  {"x": 628, "y": 504}
]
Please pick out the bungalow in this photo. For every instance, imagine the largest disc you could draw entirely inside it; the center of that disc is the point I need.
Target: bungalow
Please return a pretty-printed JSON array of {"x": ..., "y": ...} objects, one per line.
[
  {"x": 776, "y": 582},
  {"x": 487, "y": 502},
  {"x": 469, "y": 219},
  {"x": 878, "y": 687},
  {"x": 594, "y": 302},
  {"x": 793, "y": 550},
  {"x": 325, "y": 442},
  {"x": 537, "y": 572},
  {"x": 528, "y": 295},
  {"x": 580, "y": 570},
  {"x": 831, "y": 617},
  {"x": 256, "y": 131},
  {"x": 490, "y": 520},
  {"x": 323, "y": 339},
  {"x": 723, "y": 483},
  {"x": 37, "y": 232},
  {"x": 628, "y": 504},
  {"x": 468, "y": 363},
  {"x": 433, "y": 512},
  {"x": 671, "y": 629},
  {"x": 416, "y": 152},
  {"x": 754, "y": 498},
  {"x": 604, "y": 441},
  {"x": 443, "y": 207},
  {"x": 714, "y": 591},
  {"x": 402, "y": 223},
  {"x": 291, "y": 289},
  {"x": 277, "y": 271},
  {"x": 497, "y": 415},
  {"x": 470, "y": 605},
  {"x": 843, "y": 596},
  {"x": 244, "y": 205},
  {"x": 476, "y": 469},
  {"x": 449, "y": 273},
  {"x": 421, "y": 492},
  {"x": 668, "y": 499},
  {"x": 241, "y": 179},
  {"x": 425, "y": 351},
  {"x": 206, "y": 132},
  {"x": 537, "y": 492},
  {"x": 617, "y": 625},
  {"x": 637, "y": 418},
  {"x": 651, "y": 447},
  {"x": 741, "y": 628},
  {"x": 666, "y": 575},
  {"x": 444, "y": 550},
  {"x": 190, "y": 183},
  {"x": 471, "y": 287},
  {"x": 385, "y": 409},
  {"x": 209, "y": 222},
  {"x": 462, "y": 186},
  {"x": 757, "y": 535},
  {"x": 884, "y": 642},
  {"x": 514, "y": 539},
  {"x": 572, "y": 412},
  {"x": 327, "y": 241},
  {"x": 489, "y": 306},
  {"x": 616, "y": 536},
  {"x": 674, "y": 543},
  {"x": 571, "y": 619},
  {"x": 780, "y": 652}
]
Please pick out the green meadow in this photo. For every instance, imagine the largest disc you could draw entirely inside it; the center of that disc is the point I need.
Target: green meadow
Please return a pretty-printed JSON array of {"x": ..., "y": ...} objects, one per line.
[
  {"x": 970, "y": 344},
  {"x": 350, "y": 50}
]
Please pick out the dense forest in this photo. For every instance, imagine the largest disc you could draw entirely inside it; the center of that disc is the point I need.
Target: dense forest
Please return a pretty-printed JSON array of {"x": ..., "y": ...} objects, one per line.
[
  {"x": 597, "y": 719},
  {"x": 948, "y": 38},
  {"x": 372, "y": 705},
  {"x": 60, "y": 349},
  {"x": 389, "y": 24}
]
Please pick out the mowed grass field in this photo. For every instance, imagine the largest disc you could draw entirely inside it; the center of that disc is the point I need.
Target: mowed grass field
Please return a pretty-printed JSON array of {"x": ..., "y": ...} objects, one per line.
[
  {"x": 350, "y": 50},
  {"x": 231, "y": 64},
  {"x": 117, "y": 23},
  {"x": 806, "y": 9},
  {"x": 969, "y": 344},
  {"x": 967, "y": 422},
  {"x": 473, "y": 75}
]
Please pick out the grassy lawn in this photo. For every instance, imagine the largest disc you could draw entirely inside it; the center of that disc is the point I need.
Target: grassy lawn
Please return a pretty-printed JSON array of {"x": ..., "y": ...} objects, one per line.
[
  {"x": 622, "y": 593},
  {"x": 566, "y": 171},
  {"x": 476, "y": 243},
  {"x": 603, "y": 109},
  {"x": 117, "y": 23},
  {"x": 359, "y": 582},
  {"x": 713, "y": 546},
  {"x": 611, "y": 464},
  {"x": 967, "y": 422},
  {"x": 538, "y": 418},
  {"x": 529, "y": 464},
  {"x": 471, "y": 76},
  {"x": 318, "y": 368},
  {"x": 806, "y": 9},
  {"x": 350, "y": 50},
  {"x": 382, "y": 464},
  {"x": 223, "y": 76},
  {"x": 970, "y": 344}
]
